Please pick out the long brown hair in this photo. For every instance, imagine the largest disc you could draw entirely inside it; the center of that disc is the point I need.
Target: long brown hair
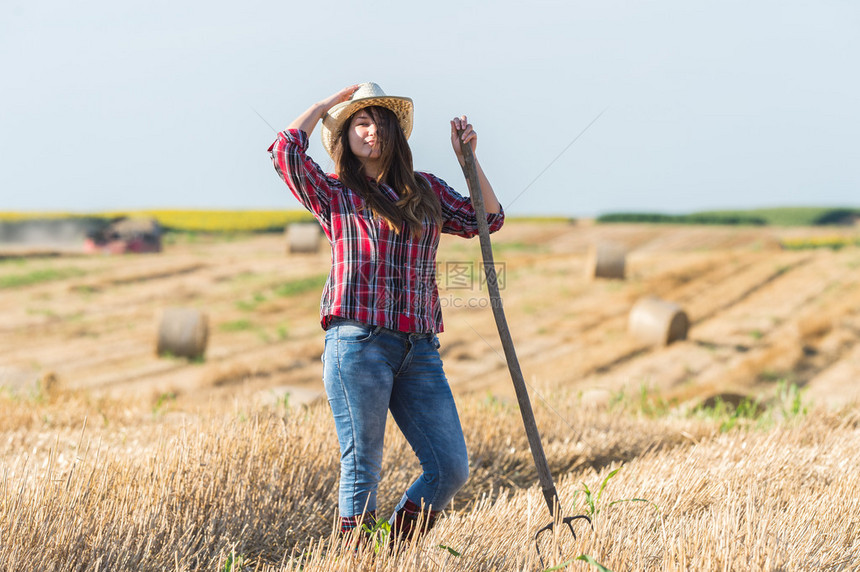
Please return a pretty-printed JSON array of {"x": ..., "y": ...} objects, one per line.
[{"x": 417, "y": 203}]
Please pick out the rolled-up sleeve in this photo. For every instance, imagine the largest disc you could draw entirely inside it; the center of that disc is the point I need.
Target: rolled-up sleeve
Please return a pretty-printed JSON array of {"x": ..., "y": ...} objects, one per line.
[
  {"x": 458, "y": 214},
  {"x": 307, "y": 181}
]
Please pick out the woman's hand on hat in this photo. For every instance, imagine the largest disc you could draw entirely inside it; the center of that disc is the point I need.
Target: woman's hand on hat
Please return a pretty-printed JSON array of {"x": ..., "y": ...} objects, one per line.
[
  {"x": 334, "y": 99},
  {"x": 308, "y": 120},
  {"x": 469, "y": 136}
]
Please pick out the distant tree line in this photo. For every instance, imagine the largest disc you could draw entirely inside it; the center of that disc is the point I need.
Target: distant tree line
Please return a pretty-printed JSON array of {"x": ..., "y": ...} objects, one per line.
[
  {"x": 812, "y": 216},
  {"x": 838, "y": 217},
  {"x": 683, "y": 219}
]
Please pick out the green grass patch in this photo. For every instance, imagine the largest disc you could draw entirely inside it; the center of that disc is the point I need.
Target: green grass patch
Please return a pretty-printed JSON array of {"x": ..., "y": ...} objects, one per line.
[
  {"x": 588, "y": 559},
  {"x": 236, "y": 326},
  {"x": 301, "y": 285},
  {"x": 13, "y": 261},
  {"x": 729, "y": 415},
  {"x": 786, "y": 404},
  {"x": 163, "y": 402},
  {"x": 251, "y": 305},
  {"x": 38, "y": 277}
]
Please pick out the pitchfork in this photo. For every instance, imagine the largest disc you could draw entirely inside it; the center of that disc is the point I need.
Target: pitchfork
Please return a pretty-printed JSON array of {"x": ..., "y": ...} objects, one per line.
[{"x": 544, "y": 475}]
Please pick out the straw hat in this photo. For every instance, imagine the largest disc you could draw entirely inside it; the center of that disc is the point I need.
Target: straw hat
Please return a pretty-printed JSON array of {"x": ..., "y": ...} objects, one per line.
[{"x": 366, "y": 95}]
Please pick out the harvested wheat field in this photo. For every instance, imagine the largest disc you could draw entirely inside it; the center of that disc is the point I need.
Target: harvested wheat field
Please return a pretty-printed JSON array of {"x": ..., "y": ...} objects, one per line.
[{"x": 734, "y": 448}]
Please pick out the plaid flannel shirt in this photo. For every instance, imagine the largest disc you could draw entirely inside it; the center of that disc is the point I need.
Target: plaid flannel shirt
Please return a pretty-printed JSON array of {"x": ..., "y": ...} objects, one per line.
[{"x": 377, "y": 276}]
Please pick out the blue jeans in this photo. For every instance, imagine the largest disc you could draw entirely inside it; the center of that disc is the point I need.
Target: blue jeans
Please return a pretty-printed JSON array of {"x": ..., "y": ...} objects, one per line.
[{"x": 370, "y": 370}]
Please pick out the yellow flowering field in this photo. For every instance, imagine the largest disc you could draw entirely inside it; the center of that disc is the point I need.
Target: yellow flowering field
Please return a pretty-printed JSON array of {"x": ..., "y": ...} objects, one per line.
[
  {"x": 834, "y": 242},
  {"x": 188, "y": 219}
]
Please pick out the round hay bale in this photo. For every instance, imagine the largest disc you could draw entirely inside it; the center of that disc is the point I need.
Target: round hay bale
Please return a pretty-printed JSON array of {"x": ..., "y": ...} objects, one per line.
[
  {"x": 182, "y": 332},
  {"x": 658, "y": 322},
  {"x": 606, "y": 260},
  {"x": 303, "y": 237}
]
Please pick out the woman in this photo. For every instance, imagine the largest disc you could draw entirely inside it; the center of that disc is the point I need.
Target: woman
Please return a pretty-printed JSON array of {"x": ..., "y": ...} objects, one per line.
[{"x": 380, "y": 307}]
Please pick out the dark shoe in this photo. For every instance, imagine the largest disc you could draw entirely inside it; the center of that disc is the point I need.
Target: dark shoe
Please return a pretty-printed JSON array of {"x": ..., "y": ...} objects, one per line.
[
  {"x": 361, "y": 523},
  {"x": 410, "y": 522}
]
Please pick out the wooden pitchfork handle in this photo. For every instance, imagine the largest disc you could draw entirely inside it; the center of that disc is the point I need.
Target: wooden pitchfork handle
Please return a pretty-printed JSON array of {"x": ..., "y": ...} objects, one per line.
[{"x": 544, "y": 476}]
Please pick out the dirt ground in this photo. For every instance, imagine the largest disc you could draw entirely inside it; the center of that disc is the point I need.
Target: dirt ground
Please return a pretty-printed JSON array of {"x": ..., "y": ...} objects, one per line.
[{"x": 761, "y": 317}]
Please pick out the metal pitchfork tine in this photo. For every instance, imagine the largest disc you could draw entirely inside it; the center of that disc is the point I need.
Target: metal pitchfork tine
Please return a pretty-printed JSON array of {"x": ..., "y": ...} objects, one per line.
[{"x": 544, "y": 475}]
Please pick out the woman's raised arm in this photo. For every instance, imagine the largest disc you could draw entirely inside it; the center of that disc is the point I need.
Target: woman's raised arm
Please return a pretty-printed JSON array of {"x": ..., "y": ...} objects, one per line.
[{"x": 308, "y": 120}]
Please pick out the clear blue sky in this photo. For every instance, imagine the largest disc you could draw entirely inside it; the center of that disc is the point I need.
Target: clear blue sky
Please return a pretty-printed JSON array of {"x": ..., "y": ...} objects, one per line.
[{"x": 714, "y": 104}]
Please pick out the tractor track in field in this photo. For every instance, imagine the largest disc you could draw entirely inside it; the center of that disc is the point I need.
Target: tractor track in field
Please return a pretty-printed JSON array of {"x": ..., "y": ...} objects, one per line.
[
  {"x": 745, "y": 279},
  {"x": 671, "y": 286},
  {"x": 740, "y": 298}
]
